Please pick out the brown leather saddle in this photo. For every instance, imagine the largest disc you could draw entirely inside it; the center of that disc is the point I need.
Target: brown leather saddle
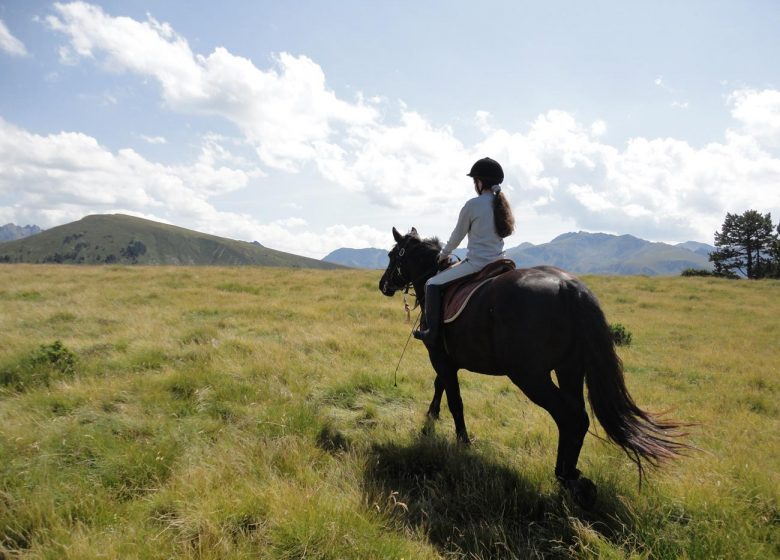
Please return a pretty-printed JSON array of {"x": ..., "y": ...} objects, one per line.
[{"x": 458, "y": 292}]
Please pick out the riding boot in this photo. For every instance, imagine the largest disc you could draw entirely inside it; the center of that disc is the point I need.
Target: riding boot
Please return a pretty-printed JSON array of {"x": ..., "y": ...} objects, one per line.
[{"x": 432, "y": 316}]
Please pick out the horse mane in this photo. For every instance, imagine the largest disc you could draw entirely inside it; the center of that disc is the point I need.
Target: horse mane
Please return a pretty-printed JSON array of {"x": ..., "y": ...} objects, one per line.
[{"x": 431, "y": 243}]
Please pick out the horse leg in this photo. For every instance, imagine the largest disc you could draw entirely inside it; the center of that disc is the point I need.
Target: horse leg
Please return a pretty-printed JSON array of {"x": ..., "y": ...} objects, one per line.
[
  {"x": 570, "y": 381},
  {"x": 435, "y": 408},
  {"x": 447, "y": 376},
  {"x": 568, "y": 412}
]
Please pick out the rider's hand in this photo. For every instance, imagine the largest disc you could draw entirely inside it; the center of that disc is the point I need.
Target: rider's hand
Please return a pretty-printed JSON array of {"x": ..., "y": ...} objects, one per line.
[{"x": 443, "y": 258}]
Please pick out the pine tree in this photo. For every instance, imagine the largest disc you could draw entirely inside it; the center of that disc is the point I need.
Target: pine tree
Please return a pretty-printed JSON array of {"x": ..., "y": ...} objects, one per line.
[{"x": 744, "y": 244}]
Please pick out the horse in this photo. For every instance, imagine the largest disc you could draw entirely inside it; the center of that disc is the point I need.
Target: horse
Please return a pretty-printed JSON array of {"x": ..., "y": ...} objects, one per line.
[{"x": 525, "y": 324}]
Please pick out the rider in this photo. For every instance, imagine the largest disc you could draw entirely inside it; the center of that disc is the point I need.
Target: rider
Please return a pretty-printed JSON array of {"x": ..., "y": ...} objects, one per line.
[{"x": 486, "y": 219}]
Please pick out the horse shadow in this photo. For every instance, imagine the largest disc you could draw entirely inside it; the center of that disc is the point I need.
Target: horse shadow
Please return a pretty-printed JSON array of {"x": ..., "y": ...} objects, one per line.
[{"x": 469, "y": 505}]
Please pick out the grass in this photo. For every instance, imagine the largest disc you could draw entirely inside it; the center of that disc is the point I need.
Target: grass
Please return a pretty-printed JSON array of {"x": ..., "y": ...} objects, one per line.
[{"x": 250, "y": 413}]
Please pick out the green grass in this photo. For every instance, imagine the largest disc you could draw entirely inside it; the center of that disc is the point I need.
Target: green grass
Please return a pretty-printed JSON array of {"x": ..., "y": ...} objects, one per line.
[{"x": 250, "y": 413}]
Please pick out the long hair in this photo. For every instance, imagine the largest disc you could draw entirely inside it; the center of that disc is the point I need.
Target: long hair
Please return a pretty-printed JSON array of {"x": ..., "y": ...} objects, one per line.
[{"x": 503, "y": 219}]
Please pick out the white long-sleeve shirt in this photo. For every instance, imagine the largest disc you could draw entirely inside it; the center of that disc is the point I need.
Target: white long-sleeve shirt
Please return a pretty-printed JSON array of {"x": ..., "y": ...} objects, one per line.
[{"x": 476, "y": 221}]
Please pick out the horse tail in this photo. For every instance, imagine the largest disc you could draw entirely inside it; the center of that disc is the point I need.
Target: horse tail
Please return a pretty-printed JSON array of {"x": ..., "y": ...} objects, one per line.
[{"x": 642, "y": 435}]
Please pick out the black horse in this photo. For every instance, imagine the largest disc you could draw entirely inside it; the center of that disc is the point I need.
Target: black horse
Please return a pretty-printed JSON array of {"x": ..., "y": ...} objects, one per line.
[{"x": 524, "y": 324}]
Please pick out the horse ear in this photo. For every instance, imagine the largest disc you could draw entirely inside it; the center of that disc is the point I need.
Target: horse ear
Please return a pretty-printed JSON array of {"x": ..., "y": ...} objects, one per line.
[
  {"x": 398, "y": 236},
  {"x": 413, "y": 232}
]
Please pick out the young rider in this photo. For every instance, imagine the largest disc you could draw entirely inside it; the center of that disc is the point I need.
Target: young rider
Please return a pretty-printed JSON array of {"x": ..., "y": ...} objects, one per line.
[{"x": 486, "y": 219}]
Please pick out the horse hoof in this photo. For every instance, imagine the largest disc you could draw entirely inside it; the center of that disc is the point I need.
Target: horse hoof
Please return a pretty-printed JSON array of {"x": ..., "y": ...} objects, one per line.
[
  {"x": 433, "y": 414},
  {"x": 582, "y": 490},
  {"x": 464, "y": 440}
]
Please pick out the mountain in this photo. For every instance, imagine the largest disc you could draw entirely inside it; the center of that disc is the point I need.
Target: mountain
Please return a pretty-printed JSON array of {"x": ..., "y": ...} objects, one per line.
[
  {"x": 358, "y": 258},
  {"x": 116, "y": 238},
  {"x": 10, "y": 232},
  {"x": 582, "y": 253},
  {"x": 366, "y": 258},
  {"x": 601, "y": 253},
  {"x": 696, "y": 247}
]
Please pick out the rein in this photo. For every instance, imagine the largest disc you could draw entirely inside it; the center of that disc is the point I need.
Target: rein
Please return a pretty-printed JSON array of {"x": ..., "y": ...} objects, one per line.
[
  {"x": 409, "y": 284},
  {"x": 414, "y": 326}
]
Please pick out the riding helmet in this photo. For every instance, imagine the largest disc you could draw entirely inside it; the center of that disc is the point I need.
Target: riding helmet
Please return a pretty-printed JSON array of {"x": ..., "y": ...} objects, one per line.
[{"x": 487, "y": 169}]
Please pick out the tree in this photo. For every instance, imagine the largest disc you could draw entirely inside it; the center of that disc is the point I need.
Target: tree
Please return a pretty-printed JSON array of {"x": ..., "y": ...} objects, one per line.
[
  {"x": 744, "y": 244},
  {"x": 773, "y": 270}
]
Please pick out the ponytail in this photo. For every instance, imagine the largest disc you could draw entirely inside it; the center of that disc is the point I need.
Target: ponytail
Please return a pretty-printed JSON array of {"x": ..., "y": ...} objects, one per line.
[{"x": 503, "y": 218}]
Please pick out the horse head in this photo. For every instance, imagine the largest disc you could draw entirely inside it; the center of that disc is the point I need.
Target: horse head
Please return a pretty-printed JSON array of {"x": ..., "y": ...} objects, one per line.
[{"x": 406, "y": 264}]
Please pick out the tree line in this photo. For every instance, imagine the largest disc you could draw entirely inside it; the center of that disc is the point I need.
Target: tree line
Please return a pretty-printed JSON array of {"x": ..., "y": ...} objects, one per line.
[{"x": 747, "y": 245}]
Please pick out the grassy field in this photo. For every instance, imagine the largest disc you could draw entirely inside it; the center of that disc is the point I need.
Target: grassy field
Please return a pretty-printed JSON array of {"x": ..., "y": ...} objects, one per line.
[{"x": 250, "y": 413}]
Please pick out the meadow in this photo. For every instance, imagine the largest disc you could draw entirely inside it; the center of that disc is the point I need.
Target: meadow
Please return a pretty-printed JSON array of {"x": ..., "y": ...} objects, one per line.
[{"x": 199, "y": 412}]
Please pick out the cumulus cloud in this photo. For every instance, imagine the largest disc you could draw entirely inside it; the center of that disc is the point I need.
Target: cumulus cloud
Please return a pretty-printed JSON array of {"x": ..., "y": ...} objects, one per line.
[
  {"x": 74, "y": 169},
  {"x": 662, "y": 189},
  {"x": 10, "y": 44},
  {"x": 287, "y": 112},
  {"x": 758, "y": 112}
]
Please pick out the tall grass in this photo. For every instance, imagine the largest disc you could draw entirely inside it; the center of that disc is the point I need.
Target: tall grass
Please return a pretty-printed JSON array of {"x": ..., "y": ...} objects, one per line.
[{"x": 250, "y": 413}]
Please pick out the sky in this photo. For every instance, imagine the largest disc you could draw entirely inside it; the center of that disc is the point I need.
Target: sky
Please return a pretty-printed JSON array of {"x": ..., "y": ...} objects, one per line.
[{"x": 310, "y": 126}]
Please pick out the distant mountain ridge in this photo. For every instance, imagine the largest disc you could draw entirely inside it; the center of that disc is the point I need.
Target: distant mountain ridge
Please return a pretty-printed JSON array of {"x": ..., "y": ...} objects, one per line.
[
  {"x": 121, "y": 239},
  {"x": 579, "y": 253},
  {"x": 11, "y": 232},
  {"x": 358, "y": 258}
]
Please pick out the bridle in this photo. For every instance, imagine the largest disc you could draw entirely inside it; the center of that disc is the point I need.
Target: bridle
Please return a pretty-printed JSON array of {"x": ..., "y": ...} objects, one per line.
[{"x": 395, "y": 266}]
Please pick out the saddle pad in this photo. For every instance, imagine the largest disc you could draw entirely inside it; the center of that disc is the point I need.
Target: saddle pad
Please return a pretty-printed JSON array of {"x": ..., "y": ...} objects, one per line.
[{"x": 458, "y": 293}]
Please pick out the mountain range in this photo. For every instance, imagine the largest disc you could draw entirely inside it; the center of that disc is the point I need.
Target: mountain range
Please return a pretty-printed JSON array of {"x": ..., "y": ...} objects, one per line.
[
  {"x": 580, "y": 253},
  {"x": 116, "y": 238},
  {"x": 9, "y": 232}
]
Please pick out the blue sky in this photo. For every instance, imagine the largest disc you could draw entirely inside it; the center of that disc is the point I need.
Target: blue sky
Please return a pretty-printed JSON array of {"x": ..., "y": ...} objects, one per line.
[{"x": 310, "y": 126}]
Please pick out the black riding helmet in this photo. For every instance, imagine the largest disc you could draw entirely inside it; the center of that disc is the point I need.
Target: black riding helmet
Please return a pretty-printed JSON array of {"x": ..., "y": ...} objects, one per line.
[{"x": 488, "y": 170}]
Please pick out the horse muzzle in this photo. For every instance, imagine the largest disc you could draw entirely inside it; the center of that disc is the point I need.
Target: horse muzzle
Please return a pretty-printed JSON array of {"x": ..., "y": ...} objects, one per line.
[{"x": 386, "y": 288}]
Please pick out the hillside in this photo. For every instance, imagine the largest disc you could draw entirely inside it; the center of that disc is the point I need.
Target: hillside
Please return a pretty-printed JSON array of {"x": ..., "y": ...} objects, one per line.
[
  {"x": 580, "y": 253},
  {"x": 116, "y": 238}
]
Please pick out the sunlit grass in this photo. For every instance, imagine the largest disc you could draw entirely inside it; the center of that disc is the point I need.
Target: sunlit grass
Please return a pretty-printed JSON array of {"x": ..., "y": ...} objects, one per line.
[{"x": 251, "y": 412}]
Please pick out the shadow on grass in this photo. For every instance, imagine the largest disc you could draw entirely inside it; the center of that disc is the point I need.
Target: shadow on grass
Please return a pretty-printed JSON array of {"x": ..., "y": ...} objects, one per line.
[{"x": 470, "y": 506}]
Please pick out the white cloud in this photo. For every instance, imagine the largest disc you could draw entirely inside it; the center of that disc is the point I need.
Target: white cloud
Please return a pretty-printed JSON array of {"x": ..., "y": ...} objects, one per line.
[
  {"x": 73, "y": 171},
  {"x": 758, "y": 112},
  {"x": 598, "y": 128},
  {"x": 408, "y": 165},
  {"x": 287, "y": 112},
  {"x": 154, "y": 139},
  {"x": 9, "y": 43},
  {"x": 290, "y": 222},
  {"x": 660, "y": 83},
  {"x": 662, "y": 189}
]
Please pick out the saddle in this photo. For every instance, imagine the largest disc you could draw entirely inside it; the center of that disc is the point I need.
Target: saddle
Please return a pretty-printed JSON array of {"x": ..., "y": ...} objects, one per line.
[{"x": 458, "y": 292}]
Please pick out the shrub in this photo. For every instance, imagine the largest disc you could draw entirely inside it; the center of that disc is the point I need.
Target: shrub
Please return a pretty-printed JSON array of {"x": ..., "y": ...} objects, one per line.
[
  {"x": 133, "y": 250},
  {"x": 696, "y": 272},
  {"x": 621, "y": 336},
  {"x": 56, "y": 355},
  {"x": 39, "y": 367}
]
